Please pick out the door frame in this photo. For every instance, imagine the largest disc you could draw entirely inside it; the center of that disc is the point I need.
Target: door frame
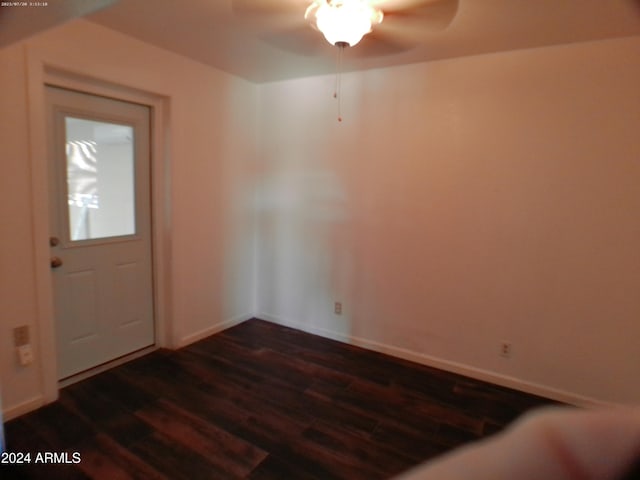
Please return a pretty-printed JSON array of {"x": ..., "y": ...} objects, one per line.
[{"x": 40, "y": 74}]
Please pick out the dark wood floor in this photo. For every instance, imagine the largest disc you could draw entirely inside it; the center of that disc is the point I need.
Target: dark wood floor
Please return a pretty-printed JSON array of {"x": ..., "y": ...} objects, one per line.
[{"x": 260, "y": 401}]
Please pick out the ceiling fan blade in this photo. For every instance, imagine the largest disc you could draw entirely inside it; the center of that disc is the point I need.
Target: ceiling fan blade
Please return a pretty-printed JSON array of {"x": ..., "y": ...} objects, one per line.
[
  {"x": 270, "y": 16},
  {"x": 268, "y": 7},
  {"x": 406, "y": 24},
  {"x": 427, "y": 15},
  {"x": 301, "y": 40},
  {"x": 380, "y": 43}
]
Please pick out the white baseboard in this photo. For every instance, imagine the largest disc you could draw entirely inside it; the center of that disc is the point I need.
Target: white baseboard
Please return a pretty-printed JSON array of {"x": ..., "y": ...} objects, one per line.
[
  {"x": 24, "y": 407},
  {"x": 38, "y": 401},
  {"x": 430, "y": 361},
  {"x": 218, "y": 327},
  {"x": 447, "y": 365}
]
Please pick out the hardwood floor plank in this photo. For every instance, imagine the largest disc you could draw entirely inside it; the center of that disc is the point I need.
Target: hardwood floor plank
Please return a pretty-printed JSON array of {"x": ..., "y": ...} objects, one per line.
[
  {"x": 57, "y": 426},
  {"x": 103, "y": 414},
  {"x": 419, "y": 444},
  {"x": 96, "y": 464},
  {"x": 103, "y": 449},
  {"x": 175, "y": 460},
  {"x": 199, "y": 399},
  {"x": 229, "y": 453},
  {"x": 114, "y": 388},
  {"x": 372, "y": 460},
  {"x": 40, "y": 471},
  {"x": 325, "y": 409},
  {"x": 275, "y": 468}
]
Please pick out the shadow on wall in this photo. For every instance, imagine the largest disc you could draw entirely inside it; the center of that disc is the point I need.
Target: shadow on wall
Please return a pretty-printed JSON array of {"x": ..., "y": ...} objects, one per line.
[{"x": 303, "y": 266}]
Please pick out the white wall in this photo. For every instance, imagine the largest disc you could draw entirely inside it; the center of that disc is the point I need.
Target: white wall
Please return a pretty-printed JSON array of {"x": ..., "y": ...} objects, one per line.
[
  {"x": 461, "y": 204},
  {"x": 209, "y": 143},
  {"x": 17, "y": 283}
]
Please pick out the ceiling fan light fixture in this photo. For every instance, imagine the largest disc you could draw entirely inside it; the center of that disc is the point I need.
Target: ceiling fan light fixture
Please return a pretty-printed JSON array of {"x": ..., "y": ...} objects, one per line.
[{"x": 344, "y": 21}]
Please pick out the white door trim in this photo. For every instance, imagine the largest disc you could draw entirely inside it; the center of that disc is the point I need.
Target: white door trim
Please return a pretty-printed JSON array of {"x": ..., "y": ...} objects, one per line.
[{"x": 39, "y": 73}]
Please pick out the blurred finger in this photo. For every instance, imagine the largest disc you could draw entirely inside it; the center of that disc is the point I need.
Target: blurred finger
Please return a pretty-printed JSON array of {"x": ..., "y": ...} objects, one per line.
[{"x": 551, "y": 444}]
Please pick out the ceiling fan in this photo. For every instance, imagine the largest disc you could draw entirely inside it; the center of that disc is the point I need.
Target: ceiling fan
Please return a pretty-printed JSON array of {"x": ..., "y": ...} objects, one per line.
[{"x": 388, "y": 26}]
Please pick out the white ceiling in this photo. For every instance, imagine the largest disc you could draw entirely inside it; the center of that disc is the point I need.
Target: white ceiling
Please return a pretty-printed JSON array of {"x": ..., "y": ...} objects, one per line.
[{"x": 209, "y": 32}]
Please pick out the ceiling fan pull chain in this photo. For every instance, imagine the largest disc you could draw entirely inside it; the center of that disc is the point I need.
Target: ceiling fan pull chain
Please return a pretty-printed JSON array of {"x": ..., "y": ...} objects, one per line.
[{"x": 337, "y": 94}]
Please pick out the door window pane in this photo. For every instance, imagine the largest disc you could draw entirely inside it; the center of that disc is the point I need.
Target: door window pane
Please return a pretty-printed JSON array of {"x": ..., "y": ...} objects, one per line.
[{"x": 100, "y": 179}]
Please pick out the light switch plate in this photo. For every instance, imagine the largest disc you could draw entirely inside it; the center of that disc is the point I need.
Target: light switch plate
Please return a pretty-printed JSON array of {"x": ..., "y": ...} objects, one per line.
[
  {"x": 25, "y": 355},
  {"x": 21, "y": 335}
]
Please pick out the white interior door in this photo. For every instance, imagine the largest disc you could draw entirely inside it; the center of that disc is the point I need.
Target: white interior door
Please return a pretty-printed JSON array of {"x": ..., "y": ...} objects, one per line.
[{"x": 100, "y": 228}]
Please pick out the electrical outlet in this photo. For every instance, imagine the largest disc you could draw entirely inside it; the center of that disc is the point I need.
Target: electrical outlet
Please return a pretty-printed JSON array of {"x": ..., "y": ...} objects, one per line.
[
  {"x": 21, "y": 335},
  {"x": 25, "y": 355},
  {"x": 337, "y": 308},
  {"x": 505, "y": 349}
]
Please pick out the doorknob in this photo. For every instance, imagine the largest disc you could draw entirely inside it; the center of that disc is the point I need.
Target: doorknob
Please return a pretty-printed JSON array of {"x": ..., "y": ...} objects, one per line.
[
  {"x": 53, "y": 241},
  {"x": 56, "y": 262}
]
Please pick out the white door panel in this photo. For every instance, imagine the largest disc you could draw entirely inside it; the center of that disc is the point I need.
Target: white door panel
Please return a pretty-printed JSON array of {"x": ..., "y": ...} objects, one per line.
[{"x": 100, "y": 217}]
